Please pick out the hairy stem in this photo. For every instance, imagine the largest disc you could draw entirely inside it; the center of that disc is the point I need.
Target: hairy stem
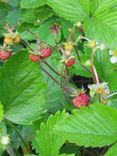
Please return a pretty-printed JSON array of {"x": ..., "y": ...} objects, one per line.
[
  {"x": 94, "y": 71},
  {"x": 76, "y": 50},
  {"x": 53, "y": 69},
  {"x": 50, "y": 75}
]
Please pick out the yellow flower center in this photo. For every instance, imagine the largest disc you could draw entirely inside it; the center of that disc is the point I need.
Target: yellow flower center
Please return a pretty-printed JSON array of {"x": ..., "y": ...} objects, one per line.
[
  {"x": 100, "y": 91},
  {"x": 115, "y": 53},
  {"x": 68, "y": 46},
  {"x": 92, "y": 44}
]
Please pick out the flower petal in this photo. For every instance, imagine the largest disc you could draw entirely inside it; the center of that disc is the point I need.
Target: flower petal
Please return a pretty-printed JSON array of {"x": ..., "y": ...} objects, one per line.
[
  {"x": 113, "y": 59},
  {"x": 111, "y": 52}
]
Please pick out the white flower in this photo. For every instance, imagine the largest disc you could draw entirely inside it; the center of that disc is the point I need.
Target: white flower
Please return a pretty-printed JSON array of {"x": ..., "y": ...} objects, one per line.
[
  {"x": 5, "y": 140},
  {"x": 101, "y": 88},
  {"x": 113, "y": 54}
]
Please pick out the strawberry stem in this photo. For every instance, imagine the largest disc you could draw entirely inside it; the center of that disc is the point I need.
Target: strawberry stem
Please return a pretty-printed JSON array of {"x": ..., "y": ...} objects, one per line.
[
  {"x": 94, "y": 71},
  {"x": 53, "y": 69},
  {"x": 50, "y": 75},
  {"x": 76, "y": 50},
  {"x": 67, "y": 70}
]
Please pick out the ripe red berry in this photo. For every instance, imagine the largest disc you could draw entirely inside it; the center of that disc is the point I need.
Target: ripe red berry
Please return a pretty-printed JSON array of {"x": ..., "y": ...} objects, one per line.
[
  {"x": 34, "y": 58},
  {"x": 45, "y": 52},
  {"x": 81, "y": 100},
  {"x": 70, "y": 62},
  {"x": 4, "y": 55}
]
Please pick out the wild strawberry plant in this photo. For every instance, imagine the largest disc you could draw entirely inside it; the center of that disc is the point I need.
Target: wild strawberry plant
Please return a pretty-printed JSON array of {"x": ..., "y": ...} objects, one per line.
[{"x": 58, "y": 87}]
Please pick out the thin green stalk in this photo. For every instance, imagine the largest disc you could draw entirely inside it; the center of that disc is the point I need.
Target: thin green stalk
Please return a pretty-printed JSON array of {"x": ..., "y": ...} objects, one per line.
[
  {"x": 76, "y": 50},
  {"x": 94, "y": 71},
  {"x": 10, "y": 151},
  {"x": 26, "y": 44},
  {"x": 112, "y": 94}
]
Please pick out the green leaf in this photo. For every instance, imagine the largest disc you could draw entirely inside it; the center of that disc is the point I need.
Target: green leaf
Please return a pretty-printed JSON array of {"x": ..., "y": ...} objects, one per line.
[
  {"x": 1, "y": 149},
  {"x": 65, "y": 25},
  {"x": 55, "y": 97},
  {"x": 66, "y": 155},
  {"x": 32, "y": 3},
  {"x": 37, "y": 16},
  {"x": 113, "y": 102},
  {"x": 13, "y": 3},
  {"x": 46, "y": 141},
  {"x": 112, "y": 151},
  {"x": 112, "y": 80},
  {"x": 86, "y": 5},
  {"x": 102, "y": 5},
  {"x": 102, "y": 63},
  {"x": 1, "y": 112},
  {"x": 4, "y": 9},
  {"x": 22, "y": 89},
  {"x": 102, "y": 25},
  {"x": 71, "y": 10},
  {"x": 95, "y": 126},
  {"x": 78, "y": 69},
  {"x": 30, "y": 155},
  {"x": 43, "y": 32},
  {"x": 14, "y": 17},
  {"x": 105, "y": 69},
  {"x": 99, "y": 17},
  {"x": 25, "y": 35}
]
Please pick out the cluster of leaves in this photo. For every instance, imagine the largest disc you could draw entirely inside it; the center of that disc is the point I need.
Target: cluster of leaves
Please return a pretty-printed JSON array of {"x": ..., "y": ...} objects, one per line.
[{"x": 28, "y": 97}]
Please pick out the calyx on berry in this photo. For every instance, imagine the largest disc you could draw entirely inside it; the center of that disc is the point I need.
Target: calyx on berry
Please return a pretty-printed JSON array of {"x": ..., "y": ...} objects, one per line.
[
  {"x": 40, "y": 51},
  {"x": 68, "y": 61},
  {"x": 77, "y": 92},
  {"x": 12, "y": 38},
  {"x": 79, "y": 97}
]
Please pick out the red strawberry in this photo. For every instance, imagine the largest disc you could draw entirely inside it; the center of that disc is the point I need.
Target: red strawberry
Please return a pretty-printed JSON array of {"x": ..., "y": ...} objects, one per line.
[
  {"x": 70, "y": 62},
  {"x": 34, "y": 58},
  {"x": 4, "y": 55},
  {"x": 81, "y": 100},
  {"x": 45, "y": 52}
]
